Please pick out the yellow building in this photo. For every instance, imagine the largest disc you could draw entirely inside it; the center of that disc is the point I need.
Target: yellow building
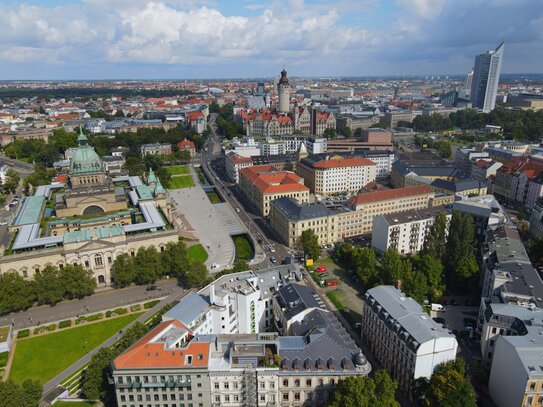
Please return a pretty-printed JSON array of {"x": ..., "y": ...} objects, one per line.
[
  {"x": 289, "y": 219},
  {"x": 262, "y": 184}
]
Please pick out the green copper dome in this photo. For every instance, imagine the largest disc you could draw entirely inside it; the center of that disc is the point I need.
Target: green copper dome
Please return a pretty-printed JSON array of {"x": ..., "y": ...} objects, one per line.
[{"x": 85, "y": 160}]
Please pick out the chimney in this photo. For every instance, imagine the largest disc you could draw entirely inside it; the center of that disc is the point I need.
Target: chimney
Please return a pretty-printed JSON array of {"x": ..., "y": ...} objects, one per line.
[{"x": 212, "y": 294}]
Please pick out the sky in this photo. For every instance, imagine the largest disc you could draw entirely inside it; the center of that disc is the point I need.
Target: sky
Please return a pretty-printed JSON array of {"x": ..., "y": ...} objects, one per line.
[{"x": 199, "y": 39}]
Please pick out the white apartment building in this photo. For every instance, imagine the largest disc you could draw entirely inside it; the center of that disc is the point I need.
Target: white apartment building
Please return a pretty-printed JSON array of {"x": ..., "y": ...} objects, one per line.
[
  {"x": 404, "y": 231},
  {"x": 187, "y": 366},
  {"x": 234, "y": 163},
  {"x": 383, "y": 160},
  {"x": 402, "y": 336},
  {"x": 336, "y": 174}
]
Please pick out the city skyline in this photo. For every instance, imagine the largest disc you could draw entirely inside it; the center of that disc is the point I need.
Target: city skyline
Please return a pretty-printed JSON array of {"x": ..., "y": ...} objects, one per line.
[{"x": 95, "y": 39}]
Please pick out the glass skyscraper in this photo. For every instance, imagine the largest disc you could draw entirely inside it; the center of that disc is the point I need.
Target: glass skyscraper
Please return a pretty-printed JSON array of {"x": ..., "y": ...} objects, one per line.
[{"x": 486, "y": 75}]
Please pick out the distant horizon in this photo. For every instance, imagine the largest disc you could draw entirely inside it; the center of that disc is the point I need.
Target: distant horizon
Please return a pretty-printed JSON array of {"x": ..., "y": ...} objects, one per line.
[
  {"x": 267, "y": 78},
  {"x": 54, "y": 40}
]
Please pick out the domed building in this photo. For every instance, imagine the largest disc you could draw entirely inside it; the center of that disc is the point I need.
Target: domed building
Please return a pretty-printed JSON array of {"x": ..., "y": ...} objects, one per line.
[{"x": 86, "y": 167}]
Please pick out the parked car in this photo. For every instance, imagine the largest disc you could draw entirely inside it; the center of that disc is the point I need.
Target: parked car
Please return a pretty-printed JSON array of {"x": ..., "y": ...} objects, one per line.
[
  {"x": 325, "y": 274},
  {"x": 273, "y": 259},
  {"x": 331, "y": 282},
  {"x": 321, "y": 269},
  {"x": 152, "y": 287}
]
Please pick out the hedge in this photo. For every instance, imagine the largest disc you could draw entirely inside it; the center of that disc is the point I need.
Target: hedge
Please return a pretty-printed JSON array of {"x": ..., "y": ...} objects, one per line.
[
  {"x": 23, "y": 334},
  {"x": 136, "y": 307},
  {"x": 65, "y": 324},
  {"x": 150, "y": 304}
]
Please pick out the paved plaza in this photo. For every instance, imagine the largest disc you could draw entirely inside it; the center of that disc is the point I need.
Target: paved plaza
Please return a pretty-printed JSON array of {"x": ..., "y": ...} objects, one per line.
[{"x": 208, "y": 222}]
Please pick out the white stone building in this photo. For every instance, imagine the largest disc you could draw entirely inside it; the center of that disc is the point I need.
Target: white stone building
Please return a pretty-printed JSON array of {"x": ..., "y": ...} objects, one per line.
[{"x": 405, "y": 231}]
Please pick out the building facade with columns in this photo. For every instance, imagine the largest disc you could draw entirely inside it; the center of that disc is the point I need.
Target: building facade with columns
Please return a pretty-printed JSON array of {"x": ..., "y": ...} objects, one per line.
[{"x": 89, "y": 220}]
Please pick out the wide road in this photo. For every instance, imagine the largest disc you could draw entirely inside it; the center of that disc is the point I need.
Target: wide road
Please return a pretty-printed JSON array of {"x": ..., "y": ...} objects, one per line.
[
  {"x": 257, "y": 227},
  {"x": 102, "y": 300}
]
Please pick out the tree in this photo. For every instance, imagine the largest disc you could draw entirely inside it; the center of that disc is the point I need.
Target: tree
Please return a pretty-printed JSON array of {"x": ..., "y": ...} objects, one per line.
[
  {"x": 436, "y": 239},
  {"x": 122, "y": 270},
  {"x": 240, "y": 265},
  {"x": 12, "y": 181},
  {"x": 50, "y": 288},
  {"x": 365, "y": 264},
  {"x": 365, "y": 392},
  {"x": 197, "y": 274},
  {"x": 28, "y": 394},
  {"x": 460, "y": 262},
  {"x": 310, "y": 244},
  {"x": 347, "y": 132},
  {"x": 15, "y": 293},
  {"x": 432, "y": 269},
  {"x": 392, "y": 267},
  {"x": 78, "y": 281},
  {"x": 329, "y": 133},
  {"x": 414, "y": 284},
  {"x": 449, "y": 386},
  {"x": 174, "y": 259},
  {"x": 147, "y": 265},
  {"x": 95, "y": 386}
]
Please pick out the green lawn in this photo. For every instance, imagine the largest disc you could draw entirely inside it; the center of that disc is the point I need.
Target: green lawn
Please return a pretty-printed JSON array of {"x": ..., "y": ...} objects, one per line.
[
  {"x": 244, "y": 250},
  {"x": 214, "y": 197},
  {"x": 197, "y": 252},
  {"x": 3, "y": 359},
  {"x": 180, "y": 181},
  {"x": 178, "y": 170},
  {"x": 45, "y": 356}
]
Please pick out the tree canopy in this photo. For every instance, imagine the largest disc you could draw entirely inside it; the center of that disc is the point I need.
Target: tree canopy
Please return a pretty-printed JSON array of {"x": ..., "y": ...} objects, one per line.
[
  {"x": 450, "y": 387},
  {"x": 310, "y": 244},
  {"x": 365, "y": 391}
]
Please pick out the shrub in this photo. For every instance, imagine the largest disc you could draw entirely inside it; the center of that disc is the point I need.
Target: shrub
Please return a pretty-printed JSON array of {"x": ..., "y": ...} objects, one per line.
[
  {"x": 23, "y": 333},
  {"x": 136, "y": 307},
  {"x": 52, "y": 327},
  {"x": 3, "y": 359},
  {"x": 94, "y": 317},
  {"x": 65, "y": 324},
  {"x": 108, "y": 313},
  {"x": 120, "y": 311},
  {"x": 150, "y": 304}
]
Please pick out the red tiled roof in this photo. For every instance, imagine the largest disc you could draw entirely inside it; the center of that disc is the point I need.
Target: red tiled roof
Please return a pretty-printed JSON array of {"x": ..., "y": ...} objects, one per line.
[
  {"x": 238, "y": 159},
  {"x": 268, "y": 180},
  {"x": 390, "y": 194},
  {"x": 194, "y": 116},
  {"x": 343, "y": 162},
  {"x": 147, "y": 354},
  {"x": 186, "y": 144}
]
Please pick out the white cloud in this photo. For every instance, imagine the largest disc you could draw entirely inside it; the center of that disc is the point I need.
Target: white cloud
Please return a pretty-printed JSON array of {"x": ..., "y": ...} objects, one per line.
[{"x": 422, "y": 8}]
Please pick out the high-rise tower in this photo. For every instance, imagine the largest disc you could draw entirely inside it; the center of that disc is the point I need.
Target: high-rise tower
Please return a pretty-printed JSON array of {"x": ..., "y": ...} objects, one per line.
[
  {"x": 486, "y": 76},
  {"x": 284, "y": 92}
]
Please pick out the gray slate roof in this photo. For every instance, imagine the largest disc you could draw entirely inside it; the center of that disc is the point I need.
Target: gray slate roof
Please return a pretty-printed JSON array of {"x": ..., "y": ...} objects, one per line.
[{"x": 294, "y": 211}]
